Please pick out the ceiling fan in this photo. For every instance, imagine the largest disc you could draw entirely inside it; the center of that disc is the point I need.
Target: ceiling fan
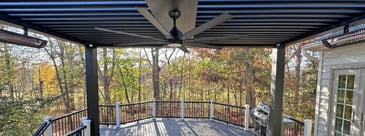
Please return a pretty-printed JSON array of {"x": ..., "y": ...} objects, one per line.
[{"x": 175, "y": 38}]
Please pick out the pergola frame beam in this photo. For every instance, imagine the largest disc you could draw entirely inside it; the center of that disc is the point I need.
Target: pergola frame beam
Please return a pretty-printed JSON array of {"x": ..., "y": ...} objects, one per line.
[{"x": 274, "y": 127}]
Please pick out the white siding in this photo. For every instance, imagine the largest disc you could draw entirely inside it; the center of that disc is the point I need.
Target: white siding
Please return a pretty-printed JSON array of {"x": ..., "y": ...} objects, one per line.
[{"x": 338, "y": 57}]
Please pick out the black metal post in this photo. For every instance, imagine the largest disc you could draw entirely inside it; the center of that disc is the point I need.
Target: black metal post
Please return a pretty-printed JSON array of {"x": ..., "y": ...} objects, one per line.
[
  {"x": 92, "y": 89},
  {"x": 274, "y": 127}
]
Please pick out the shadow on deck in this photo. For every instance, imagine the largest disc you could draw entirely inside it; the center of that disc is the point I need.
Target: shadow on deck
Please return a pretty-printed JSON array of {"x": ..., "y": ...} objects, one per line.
[{"x": 175, "y": 127}]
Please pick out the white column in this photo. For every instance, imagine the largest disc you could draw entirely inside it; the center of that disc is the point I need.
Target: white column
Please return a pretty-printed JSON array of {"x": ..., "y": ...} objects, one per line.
[
  {"x": 247, "y": 116},
  {"x": 211, "y": 109},
  {"x": 153, "y": 108},
  {"x": 182, "y": 109},
  {"x": 48, "y": 131},
  {"x": 117, "y": 114},
  {"x": 86, "y": 122},
  {"x": 307, "y": 127}
]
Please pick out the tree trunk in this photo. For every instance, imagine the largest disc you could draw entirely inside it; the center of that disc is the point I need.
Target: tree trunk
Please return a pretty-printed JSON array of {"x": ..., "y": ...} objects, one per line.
[
  {"x": 297, "y": 70},
  {"x": 181, "y": 79},
  {"x": 250, "y": 92},
  {"x": 139, "y": 76},
  {"x": 171, "y": 89},
  {"x": 9, "y": 73},
  {"x": 125, "y": 87},
  {"x": 155, "y": 73},
  {"x": 105, "y": 77},
  {"x": 67, "y": 99}
]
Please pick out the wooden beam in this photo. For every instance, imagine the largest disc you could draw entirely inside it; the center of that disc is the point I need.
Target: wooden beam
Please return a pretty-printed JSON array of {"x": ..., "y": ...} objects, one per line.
[{"x": 274, "y": 127}]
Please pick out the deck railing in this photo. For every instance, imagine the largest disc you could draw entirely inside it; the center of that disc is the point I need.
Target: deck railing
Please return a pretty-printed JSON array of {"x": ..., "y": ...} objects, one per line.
[
  {"x": 293, "y": 127},
  {"x": 127, "y": 112},
  {"x": 78, "y": 132},
  {"x": 67, "y": 123},
  {"x": 61, "y": 125},
  {"x": 172, "y": 109},
  {"x": 123, "y": 113},
  {"x": 195, "y": 109},
  {"x": 297, "y": 130},
  {"x": 229, "y": 113},
  {"x": 168, "y": 109}
]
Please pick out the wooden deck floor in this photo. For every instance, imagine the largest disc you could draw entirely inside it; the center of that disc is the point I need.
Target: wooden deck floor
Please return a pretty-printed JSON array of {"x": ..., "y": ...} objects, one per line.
[{"x": 175, "y": 127}]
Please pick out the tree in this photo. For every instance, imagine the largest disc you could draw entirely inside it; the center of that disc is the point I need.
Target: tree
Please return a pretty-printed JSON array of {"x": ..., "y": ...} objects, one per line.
[
  {"x": 8, "y": 66},
  {"x": 68, "y": 67},
  {"x": 45, "y": 77},
  {"x": 105, "y": 74},
  {"x": 154, "y": 63}
]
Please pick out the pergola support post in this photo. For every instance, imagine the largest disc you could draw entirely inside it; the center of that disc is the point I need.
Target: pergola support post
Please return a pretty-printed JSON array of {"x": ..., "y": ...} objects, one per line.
[
  {"x": 274, "y": 127},
  {"x": 92, "y": 89}
]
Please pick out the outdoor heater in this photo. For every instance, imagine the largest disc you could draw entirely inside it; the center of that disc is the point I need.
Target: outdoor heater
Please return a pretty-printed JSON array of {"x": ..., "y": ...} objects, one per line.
[
  {"x": 15, "y": 38},
  {"x": 345, "y": 39}
]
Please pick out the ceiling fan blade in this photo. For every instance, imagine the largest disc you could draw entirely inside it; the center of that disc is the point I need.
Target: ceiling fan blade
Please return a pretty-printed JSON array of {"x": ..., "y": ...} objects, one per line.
[
  {"x": 155, "y": 22},
  {"x": 202, "y": 45},
  {"x": 217, "y": 20},
  {"x": 184, "y": 49},
  {"x": 140, "y": 44},
  {"x": 126, "y": 33},
  {"x": 227, "y": 37}
]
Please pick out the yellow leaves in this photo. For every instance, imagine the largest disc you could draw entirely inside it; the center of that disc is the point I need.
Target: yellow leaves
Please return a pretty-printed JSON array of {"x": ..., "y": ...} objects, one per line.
[{"x": 45, "y": 75}]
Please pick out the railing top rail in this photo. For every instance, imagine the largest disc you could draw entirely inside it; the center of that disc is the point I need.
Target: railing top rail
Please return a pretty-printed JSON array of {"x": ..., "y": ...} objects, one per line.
[
  {"x": 41, "y": 129},
  {"x": 78, "y": 130},
  {"x": 107, "y": 105},
  {"x": 69, "y": 114},
  {"x": 197, "y": 102},
  {"x": 224, "y": 104},
  {"x": 136, "y": 103},
  {"x": 173, "y": 101},
  {"x": 294, "y": 119},
  {"x": 125, "y": 104}
]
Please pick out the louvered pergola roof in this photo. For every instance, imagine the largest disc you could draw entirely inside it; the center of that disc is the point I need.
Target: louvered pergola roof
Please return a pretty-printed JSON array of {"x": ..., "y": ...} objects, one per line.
[{"x": 265, "y": 22}]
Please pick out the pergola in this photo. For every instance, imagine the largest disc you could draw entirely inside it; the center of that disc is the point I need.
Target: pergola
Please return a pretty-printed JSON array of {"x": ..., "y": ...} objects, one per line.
[{"x": 265, "y": 23}]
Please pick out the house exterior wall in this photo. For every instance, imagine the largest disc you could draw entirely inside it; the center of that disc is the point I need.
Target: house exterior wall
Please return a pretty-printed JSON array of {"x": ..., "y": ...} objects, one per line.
[{"x": 343, "y": 57}]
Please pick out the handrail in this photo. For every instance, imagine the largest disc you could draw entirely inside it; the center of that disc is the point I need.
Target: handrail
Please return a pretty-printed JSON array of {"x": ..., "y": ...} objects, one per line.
[
  {"x": 41, "y": 129},
  {"x": 228, "y": 113},
  {"x": 294, "y": 119},
  {"x": 298, "y": 125},
  {"x": 68, "y": 114},
  {"x": 195, "y": 102},
  {"x": 230, "y": 105},
  {"x": 45, "y": 125},
  {"x": 113, "y": 105},
  {"x": 77, "y": 132}
]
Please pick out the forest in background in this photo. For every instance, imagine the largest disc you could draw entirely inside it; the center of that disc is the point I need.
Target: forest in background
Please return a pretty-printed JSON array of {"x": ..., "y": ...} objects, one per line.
[{"x": 51, "y": 81}]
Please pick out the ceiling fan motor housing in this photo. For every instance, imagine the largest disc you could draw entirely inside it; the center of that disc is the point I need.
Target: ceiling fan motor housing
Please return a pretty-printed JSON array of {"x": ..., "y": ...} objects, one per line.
[{"x": 175, "y": 32}]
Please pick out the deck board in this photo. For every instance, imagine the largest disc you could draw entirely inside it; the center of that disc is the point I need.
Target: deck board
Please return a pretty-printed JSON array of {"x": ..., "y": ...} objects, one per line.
[{"x": 175, "y": 127}]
